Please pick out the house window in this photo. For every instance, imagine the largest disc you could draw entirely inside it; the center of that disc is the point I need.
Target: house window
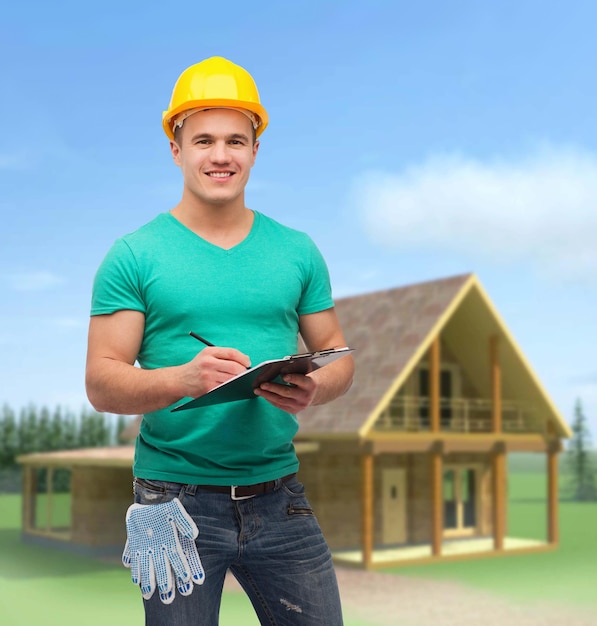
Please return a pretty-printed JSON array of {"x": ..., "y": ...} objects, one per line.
[{"x": 450, "y": 499}]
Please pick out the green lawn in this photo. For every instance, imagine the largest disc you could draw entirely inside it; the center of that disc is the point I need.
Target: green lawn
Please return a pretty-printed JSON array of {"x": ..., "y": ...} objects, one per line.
[{"x": 47, "y": 587}]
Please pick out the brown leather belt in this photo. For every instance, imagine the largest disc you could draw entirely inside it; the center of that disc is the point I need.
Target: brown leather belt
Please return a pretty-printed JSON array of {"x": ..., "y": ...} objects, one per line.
[{"x": 242, "y": 492}]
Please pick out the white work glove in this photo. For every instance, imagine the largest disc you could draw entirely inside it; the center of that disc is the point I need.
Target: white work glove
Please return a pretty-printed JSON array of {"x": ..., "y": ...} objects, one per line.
[{"x": 161, "y": 538}]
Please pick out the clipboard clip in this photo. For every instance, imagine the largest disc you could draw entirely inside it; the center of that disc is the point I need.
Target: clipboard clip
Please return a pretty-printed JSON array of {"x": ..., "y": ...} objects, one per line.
[{"x": 313, "y": 354}]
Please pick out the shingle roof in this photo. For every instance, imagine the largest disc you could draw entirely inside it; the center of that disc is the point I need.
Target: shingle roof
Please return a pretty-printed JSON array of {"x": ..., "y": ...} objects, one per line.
[{"x": 386, "y": 328}]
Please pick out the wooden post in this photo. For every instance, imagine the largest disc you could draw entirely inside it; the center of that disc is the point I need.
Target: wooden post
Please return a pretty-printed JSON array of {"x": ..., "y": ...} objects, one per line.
[
  {"x": 496, "y": 383},
  {"x": 49, "y": 496},
  {"x": 499, "y": 496},
  {"x": 434, "y": 385},
  {"x": 437, "y": 503},
  {"x": 367, "y": 508},
  {"x": 29, "y": 497},
  {"x": 553, "y": 529}
]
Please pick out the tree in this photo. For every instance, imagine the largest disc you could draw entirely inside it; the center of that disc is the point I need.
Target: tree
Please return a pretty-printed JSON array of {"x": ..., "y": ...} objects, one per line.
[
  {"x": 121, "y": 425},
  {"x": 580, "y": 461},
  {"x": 56, "y": 438},
  {"x": 44, "y": 435},
  {"x": 28, "y": 430},
  {"x": 9, "y": 437},
  {"x": 70, "y": 432}
]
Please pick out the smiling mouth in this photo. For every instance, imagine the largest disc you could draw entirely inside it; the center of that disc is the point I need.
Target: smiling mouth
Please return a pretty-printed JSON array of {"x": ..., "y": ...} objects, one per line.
[{"x": 219, "y": 174}]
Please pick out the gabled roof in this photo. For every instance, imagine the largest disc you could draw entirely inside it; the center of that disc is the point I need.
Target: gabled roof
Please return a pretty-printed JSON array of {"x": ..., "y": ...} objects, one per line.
[{"x": 391, "y": 331}]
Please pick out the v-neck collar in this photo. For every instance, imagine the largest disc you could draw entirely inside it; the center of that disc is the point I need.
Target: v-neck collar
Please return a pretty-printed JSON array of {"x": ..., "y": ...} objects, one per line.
[{"x": 213, "y": 246}]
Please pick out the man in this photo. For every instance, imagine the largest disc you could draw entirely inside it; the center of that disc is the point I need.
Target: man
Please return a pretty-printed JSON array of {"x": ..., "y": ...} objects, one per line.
[{"x": 249, "y": 285}]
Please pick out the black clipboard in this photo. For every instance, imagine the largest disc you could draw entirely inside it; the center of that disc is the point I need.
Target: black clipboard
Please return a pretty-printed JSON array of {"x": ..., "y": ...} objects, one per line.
[{"x": 241, "y": 387}]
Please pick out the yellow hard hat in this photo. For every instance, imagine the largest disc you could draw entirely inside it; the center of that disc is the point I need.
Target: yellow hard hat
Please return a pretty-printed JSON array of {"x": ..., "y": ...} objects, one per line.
[{"x": 215, "y": 82}]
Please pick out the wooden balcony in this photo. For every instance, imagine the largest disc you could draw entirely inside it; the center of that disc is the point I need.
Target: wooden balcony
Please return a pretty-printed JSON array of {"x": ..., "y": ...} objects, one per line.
[{"x": 457, "y": 415}]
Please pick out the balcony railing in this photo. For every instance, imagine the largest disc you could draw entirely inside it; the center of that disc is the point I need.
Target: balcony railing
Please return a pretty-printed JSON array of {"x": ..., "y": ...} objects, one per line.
[{"x": 461, "y": 415}]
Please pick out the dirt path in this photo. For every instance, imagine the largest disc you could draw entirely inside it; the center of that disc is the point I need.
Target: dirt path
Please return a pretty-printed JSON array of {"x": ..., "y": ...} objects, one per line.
[{"x": 390, "y": 600}]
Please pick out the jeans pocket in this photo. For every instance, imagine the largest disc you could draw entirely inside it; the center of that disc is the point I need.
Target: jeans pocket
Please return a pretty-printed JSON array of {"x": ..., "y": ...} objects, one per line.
[
  {"x": 294, "y": 487},
  {"x": 298, "y": 504},
  {"x": 154, "y": 491}
]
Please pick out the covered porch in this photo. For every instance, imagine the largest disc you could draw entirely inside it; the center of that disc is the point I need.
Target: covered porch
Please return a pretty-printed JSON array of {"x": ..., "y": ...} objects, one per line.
[{"x": 463, "y": 518}]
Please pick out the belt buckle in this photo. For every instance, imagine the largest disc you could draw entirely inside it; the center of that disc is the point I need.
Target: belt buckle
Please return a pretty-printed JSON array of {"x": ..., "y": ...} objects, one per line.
[{"x": 233, "y": 495}]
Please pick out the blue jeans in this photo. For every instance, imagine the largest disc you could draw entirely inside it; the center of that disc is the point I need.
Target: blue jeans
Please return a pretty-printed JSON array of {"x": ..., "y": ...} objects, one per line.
[{"x": 272, "y": 544}]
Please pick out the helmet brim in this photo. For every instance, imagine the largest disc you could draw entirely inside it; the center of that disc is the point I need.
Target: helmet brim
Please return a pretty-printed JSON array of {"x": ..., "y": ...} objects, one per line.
[{"x": 256, "y": 108}]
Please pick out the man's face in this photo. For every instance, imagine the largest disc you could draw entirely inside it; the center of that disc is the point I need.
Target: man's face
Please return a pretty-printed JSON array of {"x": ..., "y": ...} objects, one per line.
[{"x": 216, "y": 152}]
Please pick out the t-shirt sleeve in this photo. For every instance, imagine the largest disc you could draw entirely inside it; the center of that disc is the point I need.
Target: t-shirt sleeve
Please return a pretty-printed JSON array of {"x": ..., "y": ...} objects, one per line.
[
  {"x": 117, "y": 283},
  {"x": 317, "y": 293}
]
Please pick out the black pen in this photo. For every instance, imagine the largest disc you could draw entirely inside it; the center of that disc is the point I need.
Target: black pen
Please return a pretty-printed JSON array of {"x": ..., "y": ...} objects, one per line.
[{"x": 207, "y": 343}]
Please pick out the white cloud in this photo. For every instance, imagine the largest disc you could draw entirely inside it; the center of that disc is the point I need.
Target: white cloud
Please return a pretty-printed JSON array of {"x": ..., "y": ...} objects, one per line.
[
  {"x": 541, "y": 209},
  {"x": 34, "y": 281}
]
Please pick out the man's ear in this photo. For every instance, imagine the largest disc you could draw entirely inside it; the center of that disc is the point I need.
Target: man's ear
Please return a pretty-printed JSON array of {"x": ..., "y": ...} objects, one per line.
[
  {"x": 175, "y": 151},
  {"x": 255, "y": 149}
]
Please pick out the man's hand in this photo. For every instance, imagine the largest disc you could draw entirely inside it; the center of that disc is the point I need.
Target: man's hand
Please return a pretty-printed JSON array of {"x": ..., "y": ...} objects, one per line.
[
  {"x": 293, "y": 397},
  {"x": 210, "y": 368}
]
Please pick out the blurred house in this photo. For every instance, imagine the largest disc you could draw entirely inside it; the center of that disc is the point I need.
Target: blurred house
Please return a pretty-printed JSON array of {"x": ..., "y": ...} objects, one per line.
[{"x": 409, "y": 466}]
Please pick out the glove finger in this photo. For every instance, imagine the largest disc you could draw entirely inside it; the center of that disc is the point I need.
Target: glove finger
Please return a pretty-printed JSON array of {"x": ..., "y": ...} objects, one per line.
[
  {"x": 184, "y": 582},
  {"x": 147, "y": 572},
  {"x": 184, "y": 522},
  {"x": 126, "y": 554},
  {"x": 185, "y": 587},
  {"x": 189, "y": 548},
  {"x": 179, "y": 563},
  {"x": 163, "y": 572},
  {"x": 167, "y": 595},
  {"x": 135, "y": 569}
]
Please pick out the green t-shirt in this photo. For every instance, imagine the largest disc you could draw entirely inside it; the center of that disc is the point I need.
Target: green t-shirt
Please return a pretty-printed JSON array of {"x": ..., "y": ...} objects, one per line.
[{"x": 250, "y": 298}]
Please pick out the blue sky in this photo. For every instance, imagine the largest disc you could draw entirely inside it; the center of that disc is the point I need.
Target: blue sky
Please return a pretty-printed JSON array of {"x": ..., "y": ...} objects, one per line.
[{"x": 411, "y": 140}]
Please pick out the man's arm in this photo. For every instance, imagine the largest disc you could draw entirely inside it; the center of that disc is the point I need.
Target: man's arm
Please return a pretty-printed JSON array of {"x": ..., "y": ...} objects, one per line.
[
  {"x": 115, "y": 385},
  {"x": 319, "y": 331}
]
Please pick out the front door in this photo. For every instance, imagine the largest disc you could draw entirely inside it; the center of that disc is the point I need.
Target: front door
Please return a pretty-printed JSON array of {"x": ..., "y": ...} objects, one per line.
[
  {"x": 461, "y": 489},
  {"x": 394, "y": 505}
]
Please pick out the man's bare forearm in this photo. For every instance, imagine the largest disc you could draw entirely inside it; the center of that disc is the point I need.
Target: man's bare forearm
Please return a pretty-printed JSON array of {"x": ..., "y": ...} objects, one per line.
[{"x": 117, "y": 387}]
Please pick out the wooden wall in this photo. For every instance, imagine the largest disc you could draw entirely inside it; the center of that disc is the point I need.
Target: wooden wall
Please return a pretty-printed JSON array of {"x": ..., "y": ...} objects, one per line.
[
  {"x": 332, "y": 481},
  {"x": 100, "y": 499}
]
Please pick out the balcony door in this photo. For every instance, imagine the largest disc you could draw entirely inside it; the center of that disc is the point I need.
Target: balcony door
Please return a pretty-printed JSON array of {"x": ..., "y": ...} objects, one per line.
[{"x": 461, "y": 491}]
